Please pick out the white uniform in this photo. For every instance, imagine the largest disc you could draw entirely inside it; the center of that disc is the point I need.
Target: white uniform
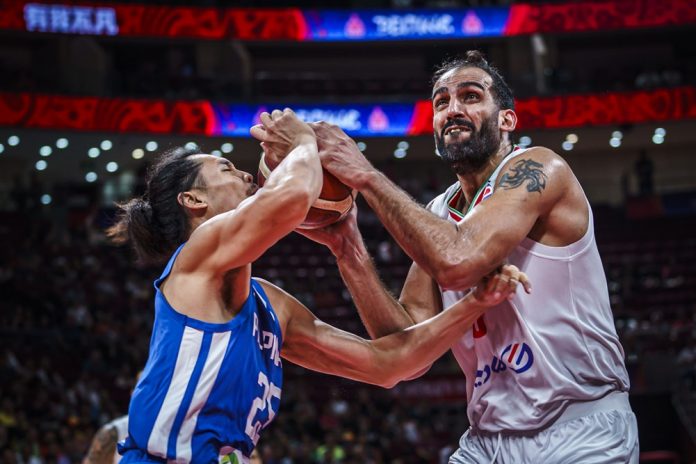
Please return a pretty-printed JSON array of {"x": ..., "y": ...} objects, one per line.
[{"x": 527, "y": 360}]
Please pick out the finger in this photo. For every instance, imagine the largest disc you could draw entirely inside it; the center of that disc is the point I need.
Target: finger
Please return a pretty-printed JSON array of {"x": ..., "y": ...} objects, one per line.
[
  {"x": 524, "y": 280},
  {"x": 512, "y": 286},
  {"x": 288, "y": 111},
  {"x": 276, "y": 114},
  {"x": 259, "y": 133},
  {"x": 265, "y": 119},
  {"x": 501, "y": 285}
]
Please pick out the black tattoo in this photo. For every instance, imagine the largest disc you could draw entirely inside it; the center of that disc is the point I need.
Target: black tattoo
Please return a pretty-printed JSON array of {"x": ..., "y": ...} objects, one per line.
[{"x": 525, "y": 170}]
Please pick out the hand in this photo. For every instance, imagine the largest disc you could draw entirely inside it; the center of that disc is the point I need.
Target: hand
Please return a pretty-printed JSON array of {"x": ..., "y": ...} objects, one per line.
[
  {"x": 338, "y": 235},
  {"x": 340, "y": 154},
  {"x": 500, "y": 284},
  {"x": 280, "y": 132}
]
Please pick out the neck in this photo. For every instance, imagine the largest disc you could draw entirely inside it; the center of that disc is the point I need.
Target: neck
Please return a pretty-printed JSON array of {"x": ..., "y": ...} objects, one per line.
[{"x": 471, "y": 181}]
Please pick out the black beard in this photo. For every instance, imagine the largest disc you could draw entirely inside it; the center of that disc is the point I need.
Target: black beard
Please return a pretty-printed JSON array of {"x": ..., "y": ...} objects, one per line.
[{"x": 471, "y": 155}]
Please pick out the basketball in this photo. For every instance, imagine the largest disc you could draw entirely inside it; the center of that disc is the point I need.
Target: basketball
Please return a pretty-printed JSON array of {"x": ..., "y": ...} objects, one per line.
[{"x": 334, "y": 202}]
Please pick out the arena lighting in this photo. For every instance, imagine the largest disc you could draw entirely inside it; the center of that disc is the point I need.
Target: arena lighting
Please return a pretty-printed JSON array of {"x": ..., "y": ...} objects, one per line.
[
  {"x": 41, "y": 165},
  {"x": 151, "y": 146},
  {"x": 362, "y": 146},
  {"x": 91, "y": 176},
  {"x": 62, "y": 143},
  {"x": 217, "y": 153},
  {"x": 191, "y": 146},
  {"x": 138, "y": 153},
  {"x": 227, "y": 147},
  {"x": 572, "y": 138},
  {"x": 403, "y": 145},
  {"x": 93, "y": 152},
  {"x": 2, "y": 147},
  {"x": 45, "y": 151},
  {"x": 567, "y": 146},
  {"x": 660, "y": 131},
  {"x": 399, "y": 153},
  {"x": 525, "y": 141},
  {"x": 106, "y": 145},
  {"x": 658, "y": 139},
  {"x": 112, "y": 166},
  {"x": 615, "y": 142},
  {"x": 617, "y": 134},
  {"x": 13, "y": 140},
  {"x": 46, "y": 199}
]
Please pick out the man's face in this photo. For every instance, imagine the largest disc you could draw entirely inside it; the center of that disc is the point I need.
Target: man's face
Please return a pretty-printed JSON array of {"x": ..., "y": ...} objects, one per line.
[
  {"x": 224, "y": 187},
  {"x": 465, "y": 119}
]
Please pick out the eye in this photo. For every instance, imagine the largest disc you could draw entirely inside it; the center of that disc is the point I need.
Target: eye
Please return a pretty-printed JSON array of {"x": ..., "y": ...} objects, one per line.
[
  {"x": 471, "y": 96},
  {"x": 440, "y": 102}
]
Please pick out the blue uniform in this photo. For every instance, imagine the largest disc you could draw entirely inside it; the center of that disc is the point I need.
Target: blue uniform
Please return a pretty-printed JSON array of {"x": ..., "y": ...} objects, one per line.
[{"x": 207, "y": 389}]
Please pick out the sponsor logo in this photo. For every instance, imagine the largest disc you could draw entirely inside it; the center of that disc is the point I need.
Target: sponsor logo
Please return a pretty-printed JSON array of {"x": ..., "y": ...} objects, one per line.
[
  {"x": 517, "y": 357},
  {"x": 413, "y": 25},
  {"x": 70, "y": 19}
]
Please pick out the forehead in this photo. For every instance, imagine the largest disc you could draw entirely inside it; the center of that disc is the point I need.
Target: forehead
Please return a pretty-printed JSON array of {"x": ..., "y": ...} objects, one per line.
[{"x": 452, "y": 78}]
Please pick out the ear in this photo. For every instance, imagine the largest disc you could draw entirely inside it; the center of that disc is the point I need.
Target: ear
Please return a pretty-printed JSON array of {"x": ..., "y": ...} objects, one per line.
[
  {"x": 507, "y": 120},
  {"x": 192, "y": 202}
]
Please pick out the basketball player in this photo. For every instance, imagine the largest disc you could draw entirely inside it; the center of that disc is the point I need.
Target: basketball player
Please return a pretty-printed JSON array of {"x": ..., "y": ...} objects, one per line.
[
  {"x": 546, "y": 380},
  {"x": 213, "y": 379}
]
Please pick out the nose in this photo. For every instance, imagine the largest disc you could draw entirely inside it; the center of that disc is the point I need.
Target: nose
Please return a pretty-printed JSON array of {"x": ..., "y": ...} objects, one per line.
[
  {"x": 454, "y": 109},
  {"x": 248, "y": 178}
]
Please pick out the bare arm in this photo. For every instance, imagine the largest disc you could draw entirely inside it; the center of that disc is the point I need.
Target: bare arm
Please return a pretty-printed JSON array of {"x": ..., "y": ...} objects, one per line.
[
  {"x": 457, "y": 255},
  {"x": 103, "y": 446},
  {"x": 238, "y": 237},
  {"x": 385, "y": 361}
]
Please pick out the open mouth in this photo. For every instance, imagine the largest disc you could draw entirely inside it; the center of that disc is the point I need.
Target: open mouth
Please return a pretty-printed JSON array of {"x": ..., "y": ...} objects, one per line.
[{"x": 456, "y": 130}]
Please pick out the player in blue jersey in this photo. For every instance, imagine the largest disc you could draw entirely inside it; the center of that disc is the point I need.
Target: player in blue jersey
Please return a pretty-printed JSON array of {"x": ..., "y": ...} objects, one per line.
[{"x": 213, "y": 379}]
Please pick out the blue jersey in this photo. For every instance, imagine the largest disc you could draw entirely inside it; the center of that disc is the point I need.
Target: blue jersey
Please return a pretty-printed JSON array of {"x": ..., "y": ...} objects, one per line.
[{"x": 207, "y": 389}]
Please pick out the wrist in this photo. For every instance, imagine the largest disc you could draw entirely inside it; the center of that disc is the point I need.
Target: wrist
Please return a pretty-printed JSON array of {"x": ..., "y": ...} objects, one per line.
[{"x": 367, "y": 180}]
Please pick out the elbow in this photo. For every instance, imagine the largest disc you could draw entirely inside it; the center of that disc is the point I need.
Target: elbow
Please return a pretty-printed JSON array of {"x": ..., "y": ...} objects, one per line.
[{"x": 461, "y": 274}]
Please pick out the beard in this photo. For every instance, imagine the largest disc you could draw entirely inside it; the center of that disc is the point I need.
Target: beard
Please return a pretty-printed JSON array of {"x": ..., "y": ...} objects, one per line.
[{"x": 470, "y": 155}]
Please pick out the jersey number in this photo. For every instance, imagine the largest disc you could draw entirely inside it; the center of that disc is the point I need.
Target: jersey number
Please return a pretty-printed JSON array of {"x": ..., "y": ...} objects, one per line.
[{"x": 270, "y": 391}]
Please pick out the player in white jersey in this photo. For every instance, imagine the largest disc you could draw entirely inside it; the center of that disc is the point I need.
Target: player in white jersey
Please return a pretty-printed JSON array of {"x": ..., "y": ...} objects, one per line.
[{"x": 546, "y": 380}]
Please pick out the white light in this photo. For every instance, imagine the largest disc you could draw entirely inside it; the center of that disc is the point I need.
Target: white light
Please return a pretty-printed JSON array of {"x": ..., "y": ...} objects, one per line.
[
  {"x": 112, "y": 166},
  {"x": 91, "y": 176},
  {"x": 227, "y": 147},
  {"x": 13, "y": 140},
  {"x": 191, "y": 146},
  {"x": 660, "y": 131},
  {"x": 399, "y": 153},
  {"x": 138, "y": 153},
  {"x": 403, "y": 145},
  {"x": 41, "y": 165},
  {"x": 46, "y": 199},
  {"x": 217, "y": 153},
  {"x": 2, "y": 147},
  {"x": 106, "y": 145},
  {"x": 617, "y": 134},
  {"x": 572, "y": 138},
  {"x": 45, "y": 151},
  {"x": 151, "y": 145},
  {"x": 567, "y": 146},
  {"x": 93, "y": 152},
  {"x": 525, "y": 140},
  {"x": 362, "y": 146},
  {"x": 614, "y": 142},
  {"x": 658, "y": 139},
  {"x": 62, "y": 143}
]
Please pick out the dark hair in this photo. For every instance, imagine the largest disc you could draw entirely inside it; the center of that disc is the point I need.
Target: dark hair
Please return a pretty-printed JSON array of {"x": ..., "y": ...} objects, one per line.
[
  {"x": 156, "y": 224},
  {"x": 502, "y": 94}
]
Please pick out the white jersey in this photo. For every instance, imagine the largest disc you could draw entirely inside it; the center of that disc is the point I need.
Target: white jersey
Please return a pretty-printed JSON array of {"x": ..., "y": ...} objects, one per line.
[{"x": 526, "y": 359}]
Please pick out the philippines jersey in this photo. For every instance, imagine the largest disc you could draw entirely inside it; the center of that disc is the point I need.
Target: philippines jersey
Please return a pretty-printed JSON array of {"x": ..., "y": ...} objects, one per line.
[
  {"x": 207, "y": 389},
  {"x": 527, "y": 358}
]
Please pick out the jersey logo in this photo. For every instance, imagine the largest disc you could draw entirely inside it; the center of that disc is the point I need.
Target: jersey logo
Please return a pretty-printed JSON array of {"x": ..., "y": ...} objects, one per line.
[
  {"x": 479, "y": 328},
  {"x": 518, "y": 357},
  {"x": 267, "y": 341}
]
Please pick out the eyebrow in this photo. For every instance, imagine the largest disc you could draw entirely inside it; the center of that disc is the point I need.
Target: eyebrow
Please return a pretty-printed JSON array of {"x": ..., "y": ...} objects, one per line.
[
  {"x": 461, "y": 85},
  {"x": 224, "y": 162}
]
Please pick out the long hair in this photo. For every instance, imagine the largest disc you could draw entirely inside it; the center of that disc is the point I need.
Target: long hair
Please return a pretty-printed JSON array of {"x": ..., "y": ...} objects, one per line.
[
  {"x": 156, "y": 224},
  {"x": 502, "y": 94}
]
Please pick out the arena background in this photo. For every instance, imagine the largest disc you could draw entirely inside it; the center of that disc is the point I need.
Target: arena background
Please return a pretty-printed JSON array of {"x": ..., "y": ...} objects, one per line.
[{"x": 89, "y": 92}]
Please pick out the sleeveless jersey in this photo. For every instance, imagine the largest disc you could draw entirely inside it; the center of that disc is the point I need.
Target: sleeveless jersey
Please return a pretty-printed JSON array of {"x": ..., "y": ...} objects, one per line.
[
  {"x": 207, "y": 389},
  {"x": 526, "y": 359}
]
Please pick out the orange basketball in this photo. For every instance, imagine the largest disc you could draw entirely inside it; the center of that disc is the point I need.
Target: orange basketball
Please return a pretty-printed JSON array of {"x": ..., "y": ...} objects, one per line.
[{"x": 334, "y": 202}]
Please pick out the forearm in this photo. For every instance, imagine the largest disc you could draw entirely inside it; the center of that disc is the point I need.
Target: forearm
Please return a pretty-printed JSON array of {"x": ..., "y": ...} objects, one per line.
[
  {"x": 300, "y": 169},
  {"x": 403, "y": 354},
  {"x": 380, "y": 312},
  {"x": 434, "y": 244}
]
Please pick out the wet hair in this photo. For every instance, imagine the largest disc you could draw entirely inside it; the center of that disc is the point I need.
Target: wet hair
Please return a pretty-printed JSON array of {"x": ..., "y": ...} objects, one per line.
[
  {"x": 156, "y": 224},
  {"x": 502, "y": 94}
]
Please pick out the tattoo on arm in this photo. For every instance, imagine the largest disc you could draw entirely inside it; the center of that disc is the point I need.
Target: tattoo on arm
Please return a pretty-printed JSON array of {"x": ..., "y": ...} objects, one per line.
[
  {"x": 525, "y": 170},
  {"x": 103, "y": 447}
]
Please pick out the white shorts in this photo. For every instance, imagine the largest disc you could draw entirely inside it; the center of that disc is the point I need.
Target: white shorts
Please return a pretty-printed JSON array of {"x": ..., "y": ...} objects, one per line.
[{"x": 608, "y": 434}]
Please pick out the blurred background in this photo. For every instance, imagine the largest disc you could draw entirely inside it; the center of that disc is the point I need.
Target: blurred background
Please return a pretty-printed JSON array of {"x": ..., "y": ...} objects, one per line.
[{"x": 90, "y": 92}]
